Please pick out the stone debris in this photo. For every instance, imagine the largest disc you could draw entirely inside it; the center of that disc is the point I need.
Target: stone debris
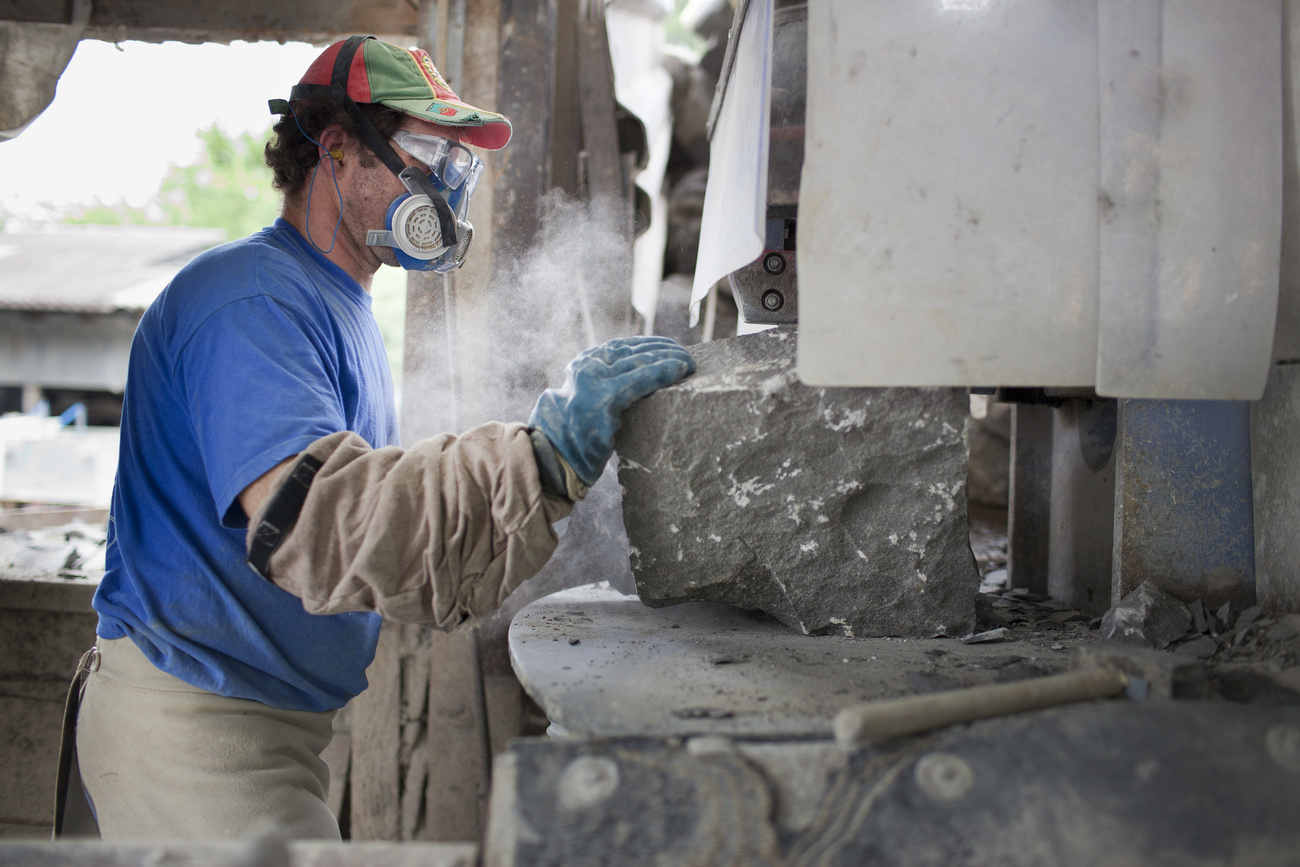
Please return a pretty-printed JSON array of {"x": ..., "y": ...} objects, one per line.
[
  {"x": 994, "y": 663},
  {"x": 1245, "y": 624},
  {"x": 1200, "y": 617},
  {"x": 1254, "y": 655},
  {"x": 74, "y": 550},
  {"x": 999, "y": 634},
  {"x": 1226, "y": 616},
  {"x": 836, "y": 510},
  {"x": 1021, "y": 609},
  {"x": 988, "y": 542},
  {"x": 1200, "y": 647},
  {"x": 994, "y": 581},
  {"x": 1227, "y": 633},
  {"x": 1148, "y": 617}
]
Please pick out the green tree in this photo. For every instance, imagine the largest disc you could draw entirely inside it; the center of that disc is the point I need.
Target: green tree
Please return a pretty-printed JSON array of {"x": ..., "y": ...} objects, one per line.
[
  {"x": 228, "y": 187},
  {"x": 120, "y": 214}
]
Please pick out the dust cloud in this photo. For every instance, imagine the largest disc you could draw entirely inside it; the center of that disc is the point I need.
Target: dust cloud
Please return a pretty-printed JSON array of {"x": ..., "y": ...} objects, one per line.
[
  {"x": 508, "y": 340},
  {"x": 572, "y": 289}
]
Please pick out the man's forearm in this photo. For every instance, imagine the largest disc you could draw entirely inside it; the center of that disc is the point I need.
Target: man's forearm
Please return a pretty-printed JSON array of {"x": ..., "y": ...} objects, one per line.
[{"x": 438, "y": 533}]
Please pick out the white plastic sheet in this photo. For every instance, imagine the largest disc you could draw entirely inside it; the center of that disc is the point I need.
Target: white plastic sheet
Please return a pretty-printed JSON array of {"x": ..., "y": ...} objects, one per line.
[
  {"x": 732, "y": 232},
  {"x": 644, "y": 87}
]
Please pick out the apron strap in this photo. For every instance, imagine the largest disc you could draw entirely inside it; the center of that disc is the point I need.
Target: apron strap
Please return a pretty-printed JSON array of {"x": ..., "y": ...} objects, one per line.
[{"x": 68, "y": 740}]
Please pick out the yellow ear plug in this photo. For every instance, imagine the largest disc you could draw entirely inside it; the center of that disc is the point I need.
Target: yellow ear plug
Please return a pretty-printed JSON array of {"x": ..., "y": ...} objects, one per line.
[{"x": 336, "y": 155}]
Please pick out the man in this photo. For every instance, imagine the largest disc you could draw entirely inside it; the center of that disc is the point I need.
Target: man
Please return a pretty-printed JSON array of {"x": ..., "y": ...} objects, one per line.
[{"x": 259, "y": 456}]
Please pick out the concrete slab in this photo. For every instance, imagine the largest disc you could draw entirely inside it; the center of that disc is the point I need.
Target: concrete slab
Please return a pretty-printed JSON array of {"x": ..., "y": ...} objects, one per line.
[{"x": 603, "y": 664}]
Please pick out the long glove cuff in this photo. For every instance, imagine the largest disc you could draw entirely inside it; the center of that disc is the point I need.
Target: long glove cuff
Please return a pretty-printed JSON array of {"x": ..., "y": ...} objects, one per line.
[{"x": 558, "y": 478}]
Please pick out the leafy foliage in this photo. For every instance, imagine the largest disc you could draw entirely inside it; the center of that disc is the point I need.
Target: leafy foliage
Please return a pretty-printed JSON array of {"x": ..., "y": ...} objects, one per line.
[
  {"x": 228, "y": 187},
  {"x": 677, "y": 33}
]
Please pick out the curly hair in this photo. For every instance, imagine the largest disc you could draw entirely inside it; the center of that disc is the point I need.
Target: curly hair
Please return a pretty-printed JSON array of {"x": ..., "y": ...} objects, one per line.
[{"x": 292, "y": 156}]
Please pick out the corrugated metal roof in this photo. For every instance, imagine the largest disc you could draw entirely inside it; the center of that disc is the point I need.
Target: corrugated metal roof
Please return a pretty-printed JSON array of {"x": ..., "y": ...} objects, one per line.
[{"x": 94, "y": 269}]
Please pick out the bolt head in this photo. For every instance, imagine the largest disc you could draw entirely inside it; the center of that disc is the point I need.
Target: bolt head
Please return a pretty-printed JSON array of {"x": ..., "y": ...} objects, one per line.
[
  {"x": 945, "y": 777},
  {"x": 588, "y": 781}
]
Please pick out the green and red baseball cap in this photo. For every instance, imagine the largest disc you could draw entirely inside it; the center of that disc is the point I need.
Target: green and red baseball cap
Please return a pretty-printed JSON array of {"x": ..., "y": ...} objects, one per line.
[{"x": 406, "y": 79}]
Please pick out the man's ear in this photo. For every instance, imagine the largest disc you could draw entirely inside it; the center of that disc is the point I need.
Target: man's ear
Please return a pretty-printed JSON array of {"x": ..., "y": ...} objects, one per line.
[{"x": 333, "y": 140}]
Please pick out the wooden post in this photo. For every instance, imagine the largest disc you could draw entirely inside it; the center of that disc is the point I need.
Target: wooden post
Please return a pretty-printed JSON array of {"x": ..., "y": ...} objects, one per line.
[
  {"x": 596, "y": 103},
  {"x": 609, "y": 174},
  {"x": 376, "y": 775},
  {"x": 456, "y": 796},
  {"x": 456, "y": 363}
]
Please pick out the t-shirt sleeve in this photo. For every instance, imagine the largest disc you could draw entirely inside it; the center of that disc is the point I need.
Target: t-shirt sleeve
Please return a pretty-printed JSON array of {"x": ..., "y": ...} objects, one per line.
[{"x": 261, "y": 382}]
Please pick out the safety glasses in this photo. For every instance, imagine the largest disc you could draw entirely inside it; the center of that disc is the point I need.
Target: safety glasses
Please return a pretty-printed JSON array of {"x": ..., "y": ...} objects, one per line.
[{"x": 454, "y": 164}]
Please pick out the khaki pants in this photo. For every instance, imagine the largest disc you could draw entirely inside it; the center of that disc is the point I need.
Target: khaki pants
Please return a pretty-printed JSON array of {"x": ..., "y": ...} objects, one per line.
[{"x": 161, "y": 759}]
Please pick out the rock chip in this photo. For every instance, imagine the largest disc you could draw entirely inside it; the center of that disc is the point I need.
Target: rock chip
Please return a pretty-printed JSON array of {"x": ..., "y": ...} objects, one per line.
[
  {"x": 1147, "y": 616},
  {"x": 1200, "y": 647},
  {"x": 836, "y": 510}
]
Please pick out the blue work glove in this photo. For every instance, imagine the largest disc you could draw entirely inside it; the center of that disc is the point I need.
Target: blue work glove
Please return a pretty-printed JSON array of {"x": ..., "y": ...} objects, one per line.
[{"x": 579, "y": 420}]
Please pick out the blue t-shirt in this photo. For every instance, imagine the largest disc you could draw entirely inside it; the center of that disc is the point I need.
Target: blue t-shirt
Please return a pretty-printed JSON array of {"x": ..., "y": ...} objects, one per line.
[{"x": 255, "y": 350}]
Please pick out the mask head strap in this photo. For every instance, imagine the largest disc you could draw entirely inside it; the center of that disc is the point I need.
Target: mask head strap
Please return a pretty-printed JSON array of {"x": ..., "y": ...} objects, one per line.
[{"x": 415, "y": 181}]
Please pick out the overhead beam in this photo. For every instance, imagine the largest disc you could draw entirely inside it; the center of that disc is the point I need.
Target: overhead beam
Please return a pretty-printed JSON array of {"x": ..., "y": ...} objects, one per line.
[{"x": 318, "y": 21}]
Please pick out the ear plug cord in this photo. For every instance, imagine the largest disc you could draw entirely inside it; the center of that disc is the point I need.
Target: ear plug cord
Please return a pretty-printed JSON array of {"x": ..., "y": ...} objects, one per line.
[{"x": 334, "y": 154}]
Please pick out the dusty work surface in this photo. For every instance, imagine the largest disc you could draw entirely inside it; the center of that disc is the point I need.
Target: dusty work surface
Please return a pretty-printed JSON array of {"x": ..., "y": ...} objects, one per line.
[{"x": 601, "y": 663}]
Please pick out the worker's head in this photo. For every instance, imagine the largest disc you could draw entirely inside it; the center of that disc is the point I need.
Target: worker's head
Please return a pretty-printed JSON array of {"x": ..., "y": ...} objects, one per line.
[{"x": 373, "y": 90}]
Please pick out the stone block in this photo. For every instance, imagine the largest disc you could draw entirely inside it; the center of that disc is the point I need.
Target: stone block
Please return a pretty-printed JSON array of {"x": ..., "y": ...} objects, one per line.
[
  {"x": 836, "y": 510},
  {"x": 1147, "y": 616}
]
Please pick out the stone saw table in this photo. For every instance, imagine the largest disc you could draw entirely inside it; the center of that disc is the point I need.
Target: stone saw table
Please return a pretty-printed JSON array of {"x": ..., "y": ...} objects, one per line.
[{"x": 602, "y": 664}]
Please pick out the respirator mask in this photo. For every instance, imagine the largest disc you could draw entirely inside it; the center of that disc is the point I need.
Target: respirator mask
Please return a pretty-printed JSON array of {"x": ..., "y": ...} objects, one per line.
[{"x": 426, "y": 225}]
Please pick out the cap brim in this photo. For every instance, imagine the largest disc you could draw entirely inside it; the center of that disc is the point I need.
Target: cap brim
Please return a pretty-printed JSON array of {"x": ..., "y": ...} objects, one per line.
[{"x": 478, "y": 128}]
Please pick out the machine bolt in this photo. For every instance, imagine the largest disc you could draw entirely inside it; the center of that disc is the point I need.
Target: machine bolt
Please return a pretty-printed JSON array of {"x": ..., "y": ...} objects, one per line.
[
  {"x": 773, "y": 300},
  {"x": 944, "y": 777},
  {"x": 774, "y": 263},
  {"x": 587, "y": 781},
  {"x": 1283, "y": 744}
]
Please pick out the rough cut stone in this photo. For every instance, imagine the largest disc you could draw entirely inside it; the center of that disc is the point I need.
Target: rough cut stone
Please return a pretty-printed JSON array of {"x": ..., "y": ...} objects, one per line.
[
  {"x": 1148, "y": 616},
  {"x": 836, "y": 510}
]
